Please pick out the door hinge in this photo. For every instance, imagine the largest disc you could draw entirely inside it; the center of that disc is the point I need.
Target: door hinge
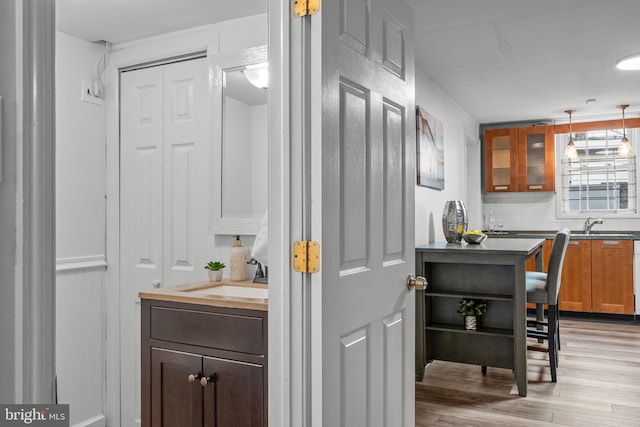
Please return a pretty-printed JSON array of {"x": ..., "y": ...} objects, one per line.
[
  {"x": 306, "y": 256},
  {"x": 305, "y": 7}
]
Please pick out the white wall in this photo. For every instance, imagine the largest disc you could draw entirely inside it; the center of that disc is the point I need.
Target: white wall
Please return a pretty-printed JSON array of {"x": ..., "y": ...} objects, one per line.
[
  {"x": 80, "y": 233},
  {"x": 460, "y": 182}
]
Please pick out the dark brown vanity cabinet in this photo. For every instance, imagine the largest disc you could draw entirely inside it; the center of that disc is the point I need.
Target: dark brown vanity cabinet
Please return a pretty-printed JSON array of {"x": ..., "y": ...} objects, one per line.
[{"x": 203, "y": 365}]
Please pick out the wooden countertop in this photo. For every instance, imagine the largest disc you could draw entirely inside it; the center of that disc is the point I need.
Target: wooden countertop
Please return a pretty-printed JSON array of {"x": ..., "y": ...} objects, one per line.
[{"x": 196, "y": 293}]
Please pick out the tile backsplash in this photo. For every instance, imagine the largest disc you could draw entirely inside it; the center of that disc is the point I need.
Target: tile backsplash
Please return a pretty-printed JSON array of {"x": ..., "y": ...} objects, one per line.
[{"x": 537, "y": 211}]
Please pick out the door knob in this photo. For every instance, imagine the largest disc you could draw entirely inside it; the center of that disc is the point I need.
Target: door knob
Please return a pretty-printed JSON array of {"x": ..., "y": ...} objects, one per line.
[
  {"x": 156, "y": 283},
  {"x": 420, "y": 283}
]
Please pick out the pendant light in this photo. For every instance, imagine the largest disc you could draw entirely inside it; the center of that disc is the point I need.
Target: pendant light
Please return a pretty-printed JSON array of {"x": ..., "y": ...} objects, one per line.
[
  {"x": 624, "y": 149},
  {"x": 571, "y": 152}
]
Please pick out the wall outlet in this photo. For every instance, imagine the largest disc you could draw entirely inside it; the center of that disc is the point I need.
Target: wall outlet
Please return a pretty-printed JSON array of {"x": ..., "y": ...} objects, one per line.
[{"x": 87, "y": 94}]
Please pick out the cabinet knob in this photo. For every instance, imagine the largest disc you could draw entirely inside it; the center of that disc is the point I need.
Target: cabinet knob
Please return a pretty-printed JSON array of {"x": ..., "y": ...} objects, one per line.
[
  {"x": 207, "y": 380},
  {"x": 156, "y": 283},
  {"x": 193, "y": 377}
]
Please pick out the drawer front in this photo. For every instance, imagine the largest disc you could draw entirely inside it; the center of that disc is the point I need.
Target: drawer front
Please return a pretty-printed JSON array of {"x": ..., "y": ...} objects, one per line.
[{"x": 239, "y": 333}]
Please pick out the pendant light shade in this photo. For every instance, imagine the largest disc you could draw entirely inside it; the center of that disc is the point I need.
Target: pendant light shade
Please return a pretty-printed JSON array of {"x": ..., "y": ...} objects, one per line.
[
  {"x": 571, "y": 152},
  {"x": 624, "y": 149}
]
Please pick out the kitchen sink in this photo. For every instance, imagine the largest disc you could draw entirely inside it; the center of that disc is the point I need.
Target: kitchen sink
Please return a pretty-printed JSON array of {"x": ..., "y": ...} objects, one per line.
[{"x": 233, "y": 292}]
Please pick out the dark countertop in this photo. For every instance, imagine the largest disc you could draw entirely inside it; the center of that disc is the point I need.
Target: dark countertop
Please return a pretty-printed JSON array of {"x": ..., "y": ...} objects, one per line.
[
  {"x": 579, "y": 235},
  {"x": 493, "y": 245}
]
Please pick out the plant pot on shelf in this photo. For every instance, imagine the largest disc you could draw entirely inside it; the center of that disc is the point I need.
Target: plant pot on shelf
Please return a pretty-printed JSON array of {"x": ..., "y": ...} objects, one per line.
[
  {"x": 215, "y": 275},
  {"x": 471, "y": 323}
]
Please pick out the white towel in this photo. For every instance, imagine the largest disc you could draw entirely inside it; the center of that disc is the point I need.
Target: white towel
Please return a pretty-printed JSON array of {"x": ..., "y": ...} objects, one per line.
[{"x": 260, "y": 250}]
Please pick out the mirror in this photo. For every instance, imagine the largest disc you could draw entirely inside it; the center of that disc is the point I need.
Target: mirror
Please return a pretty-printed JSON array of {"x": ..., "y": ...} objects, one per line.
[{"x": 240, "y": 141}]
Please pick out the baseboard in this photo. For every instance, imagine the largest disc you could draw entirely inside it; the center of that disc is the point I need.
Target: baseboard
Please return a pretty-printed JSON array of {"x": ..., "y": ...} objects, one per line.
[{"x": 97, "y": 421}]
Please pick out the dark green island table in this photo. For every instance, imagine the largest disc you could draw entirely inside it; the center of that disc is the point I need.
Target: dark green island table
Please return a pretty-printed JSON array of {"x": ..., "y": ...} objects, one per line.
[{"x": 493, "y": 271}]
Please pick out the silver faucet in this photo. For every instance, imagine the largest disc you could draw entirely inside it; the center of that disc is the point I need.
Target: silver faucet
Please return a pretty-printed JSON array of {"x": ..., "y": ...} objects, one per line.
[{"x": 590, "y": 222}]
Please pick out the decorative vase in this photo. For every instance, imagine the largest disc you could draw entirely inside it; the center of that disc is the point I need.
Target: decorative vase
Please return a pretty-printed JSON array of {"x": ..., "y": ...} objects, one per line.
[
  {"x": 215, "y": 275},
  {"x": 454, "y": 220},
  {"x": 471, "y": 323}
]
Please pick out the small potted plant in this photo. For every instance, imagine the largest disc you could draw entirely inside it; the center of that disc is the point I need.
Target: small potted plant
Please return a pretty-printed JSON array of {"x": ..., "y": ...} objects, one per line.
[
  {"x": 470, "y": 309},
  {"x": 215, "y": 270}
]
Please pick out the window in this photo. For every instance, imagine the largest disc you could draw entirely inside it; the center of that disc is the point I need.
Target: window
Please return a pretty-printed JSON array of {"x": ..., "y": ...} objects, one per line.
[{"x": 599, "y": 181}]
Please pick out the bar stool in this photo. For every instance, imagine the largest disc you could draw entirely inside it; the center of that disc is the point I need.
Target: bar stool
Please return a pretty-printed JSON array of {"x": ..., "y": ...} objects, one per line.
[{"x": 543, "y": 288}]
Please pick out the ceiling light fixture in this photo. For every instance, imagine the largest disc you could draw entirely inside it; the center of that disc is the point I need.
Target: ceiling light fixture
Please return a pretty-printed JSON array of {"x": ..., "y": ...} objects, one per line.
[
  {"x": 571, "y": 152},
  {"x": 624, "y": 149},
  {"x": 629, "y": 63},
  {"x": 258, "y": 75}
]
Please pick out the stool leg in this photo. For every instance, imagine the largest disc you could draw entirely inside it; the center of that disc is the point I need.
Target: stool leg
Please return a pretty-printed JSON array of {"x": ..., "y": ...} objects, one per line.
[
  {"x": 540, "y": 318},
  {"x": 552, "y": 342},
  {"x": 558, "y": 326}
]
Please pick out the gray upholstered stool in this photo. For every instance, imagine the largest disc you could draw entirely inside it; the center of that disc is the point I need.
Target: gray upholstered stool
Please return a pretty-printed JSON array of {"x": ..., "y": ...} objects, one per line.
[{"x": 543, "y": 288}]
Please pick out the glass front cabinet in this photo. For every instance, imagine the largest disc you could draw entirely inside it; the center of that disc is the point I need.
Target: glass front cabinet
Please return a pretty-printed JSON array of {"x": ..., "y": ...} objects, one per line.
[{"x": 519, "y": 159}]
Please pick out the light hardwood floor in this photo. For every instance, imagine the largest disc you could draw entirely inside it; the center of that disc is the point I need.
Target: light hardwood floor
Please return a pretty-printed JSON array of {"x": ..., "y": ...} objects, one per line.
[{"x": 598, "y": 384}]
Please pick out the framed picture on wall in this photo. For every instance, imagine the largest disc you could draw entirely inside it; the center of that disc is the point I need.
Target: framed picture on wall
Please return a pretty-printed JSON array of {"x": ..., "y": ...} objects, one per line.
[{"x": 430, "y": 150}]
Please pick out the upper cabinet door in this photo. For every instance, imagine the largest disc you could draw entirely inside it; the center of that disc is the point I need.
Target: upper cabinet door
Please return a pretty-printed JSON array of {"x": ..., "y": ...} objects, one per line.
[
  {"x": 519, "y": 159},
  {"x": 536, "y": 161},
  {"x": 501, "y": 160}
]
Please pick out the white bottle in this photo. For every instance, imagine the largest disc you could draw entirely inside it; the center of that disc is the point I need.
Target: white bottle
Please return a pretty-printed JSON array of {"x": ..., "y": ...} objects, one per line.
[{"x": 238, "y": 261}]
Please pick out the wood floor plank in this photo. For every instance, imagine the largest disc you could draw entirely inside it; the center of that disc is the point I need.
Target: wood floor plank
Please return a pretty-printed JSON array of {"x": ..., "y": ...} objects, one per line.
[{"x": 598, "y": 384}]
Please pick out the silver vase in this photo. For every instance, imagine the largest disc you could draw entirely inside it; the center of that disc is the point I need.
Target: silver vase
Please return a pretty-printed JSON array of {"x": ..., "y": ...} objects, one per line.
[{"x": 454, "y": 220}]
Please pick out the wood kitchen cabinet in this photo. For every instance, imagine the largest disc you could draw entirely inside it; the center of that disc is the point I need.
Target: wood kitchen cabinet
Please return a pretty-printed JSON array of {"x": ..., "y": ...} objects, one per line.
[
  {"x": 597, "y": 276},
  {"x": 203, "y": 365},
  {"x": 519, "y": 159},
  {"x": 575, "y": 290},
  {"x": 612, "y": 276}
]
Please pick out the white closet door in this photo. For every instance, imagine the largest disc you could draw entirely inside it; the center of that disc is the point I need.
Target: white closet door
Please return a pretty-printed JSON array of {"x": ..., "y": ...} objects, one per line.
[
  {"x": 186, "y": 172},
  {"x": 163, "y": 197}
]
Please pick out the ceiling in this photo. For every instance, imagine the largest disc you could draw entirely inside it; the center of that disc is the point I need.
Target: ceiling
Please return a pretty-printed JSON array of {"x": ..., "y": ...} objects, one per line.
[{"x": 500, "y": 60}]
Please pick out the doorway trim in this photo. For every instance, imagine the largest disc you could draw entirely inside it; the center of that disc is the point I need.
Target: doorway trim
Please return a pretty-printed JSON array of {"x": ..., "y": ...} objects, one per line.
[{"x": 35, "y": 340}]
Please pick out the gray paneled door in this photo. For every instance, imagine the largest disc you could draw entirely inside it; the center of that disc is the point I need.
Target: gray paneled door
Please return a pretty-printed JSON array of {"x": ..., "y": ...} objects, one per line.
[{"x": 362, "y": 315}]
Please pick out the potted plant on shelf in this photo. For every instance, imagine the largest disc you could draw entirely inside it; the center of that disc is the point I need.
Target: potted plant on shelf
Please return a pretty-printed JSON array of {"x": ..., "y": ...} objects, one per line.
[
  {"x": 470, "y": 309},
  {"x": 215, "y": 270}
]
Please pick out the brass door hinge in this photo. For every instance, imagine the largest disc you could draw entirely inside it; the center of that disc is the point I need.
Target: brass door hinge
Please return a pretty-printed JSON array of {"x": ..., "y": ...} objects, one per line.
[
  {"x": 306, "y": 256},
  {"x": 305, "y": 7}
]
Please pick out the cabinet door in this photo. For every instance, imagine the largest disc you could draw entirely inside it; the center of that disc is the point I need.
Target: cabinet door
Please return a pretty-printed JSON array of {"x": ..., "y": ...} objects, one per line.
[
  {"x": 536, "y": 159},
  {"x": 612, "y": 276},
  {"x": 501, "y": 160},
  {"x": 575, "y": 287},
  {"x": 174, "y": 400},
  {"x": 236, "y": 396}
]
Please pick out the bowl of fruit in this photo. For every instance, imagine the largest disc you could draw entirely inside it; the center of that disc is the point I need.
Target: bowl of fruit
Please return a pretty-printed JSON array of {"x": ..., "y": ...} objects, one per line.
[{"x": 474, "y": 237}]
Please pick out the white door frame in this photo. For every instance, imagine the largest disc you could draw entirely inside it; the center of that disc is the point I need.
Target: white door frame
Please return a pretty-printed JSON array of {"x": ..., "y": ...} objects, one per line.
[{"x": 282, "y": 411}]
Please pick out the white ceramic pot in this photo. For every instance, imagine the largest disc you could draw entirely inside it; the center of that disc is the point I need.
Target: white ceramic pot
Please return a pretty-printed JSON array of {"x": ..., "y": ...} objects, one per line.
[
  {"x": 215, "y": 276},
  {"x": 471, "y": 323}
]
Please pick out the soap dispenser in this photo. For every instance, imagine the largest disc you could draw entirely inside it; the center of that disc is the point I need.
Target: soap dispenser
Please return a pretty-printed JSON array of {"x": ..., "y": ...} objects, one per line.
[{"x": 238, "y": 261}]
